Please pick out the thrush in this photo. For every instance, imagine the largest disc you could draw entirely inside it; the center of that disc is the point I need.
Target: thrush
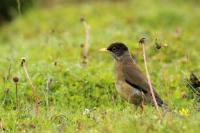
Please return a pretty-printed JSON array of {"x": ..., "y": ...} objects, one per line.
[{"x": 130, "y": 82}]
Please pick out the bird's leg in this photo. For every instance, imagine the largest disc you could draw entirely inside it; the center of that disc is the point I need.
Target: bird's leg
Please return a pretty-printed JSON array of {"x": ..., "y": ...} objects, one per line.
[
  {"x": 142, "y": 107},
  {"x": 142, "y": 103}
]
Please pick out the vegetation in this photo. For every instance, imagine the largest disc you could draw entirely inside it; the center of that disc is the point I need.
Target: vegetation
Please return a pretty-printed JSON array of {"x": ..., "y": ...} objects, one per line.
[
  {"x": 82, "y": 97},
  {"x": 9, "y": 8}
]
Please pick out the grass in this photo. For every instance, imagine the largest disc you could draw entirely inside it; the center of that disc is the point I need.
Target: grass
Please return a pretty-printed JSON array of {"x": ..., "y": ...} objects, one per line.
[{"x": 83, "y": 98}]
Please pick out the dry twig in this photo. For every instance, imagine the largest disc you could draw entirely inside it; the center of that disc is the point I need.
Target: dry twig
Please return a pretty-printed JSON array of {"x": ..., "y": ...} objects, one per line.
[
  {"x": 48, "y": 87},
  {"x": 23, "y": 64},
  {"x": 142, "y": 42},
  {"x": 16, "y": 80},
  {"x": 86, "y": 45}
]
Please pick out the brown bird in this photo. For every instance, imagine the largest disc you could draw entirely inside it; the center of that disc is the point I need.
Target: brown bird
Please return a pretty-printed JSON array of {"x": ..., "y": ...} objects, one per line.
[
  {"x": 130, "y": 82},
  {"x": 194, "y": 83}
]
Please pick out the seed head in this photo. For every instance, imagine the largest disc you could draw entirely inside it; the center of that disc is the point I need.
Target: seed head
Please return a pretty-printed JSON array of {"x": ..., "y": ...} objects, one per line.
[
  {"x": 82, "y": 19},
  {"x": 55, "y": 63},
  {"x": 82, "y": 45},
  {"x": 142, "y": 40},
  {"x": 158, "y": 46},
  {"x": 15, "y": 79},
  {"x": 23, "y": 60}
]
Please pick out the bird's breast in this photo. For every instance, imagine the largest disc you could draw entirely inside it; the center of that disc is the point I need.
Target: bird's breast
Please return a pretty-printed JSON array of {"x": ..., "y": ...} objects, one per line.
[{"x": 123, "y": 88}]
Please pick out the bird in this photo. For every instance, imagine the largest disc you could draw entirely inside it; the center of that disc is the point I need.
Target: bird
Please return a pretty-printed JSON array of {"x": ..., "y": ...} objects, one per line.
[
  {"x": 194, "y": 84},
  {"x": 130, "y": 82}
]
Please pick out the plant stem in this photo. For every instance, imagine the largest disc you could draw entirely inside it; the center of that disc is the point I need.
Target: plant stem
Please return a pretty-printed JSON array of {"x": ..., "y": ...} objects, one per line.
[
  {"x": 149, "y": 80},
  {"x": 86, "y": 44},
  {"x": 16, "y": 95},
  {"x": 31, "y": 84},
  {"x": 19, "y": 6}
]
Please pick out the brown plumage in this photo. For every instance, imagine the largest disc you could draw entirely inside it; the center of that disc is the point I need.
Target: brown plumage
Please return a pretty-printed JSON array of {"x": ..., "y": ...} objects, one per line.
[{"x": 130, "y": 82}]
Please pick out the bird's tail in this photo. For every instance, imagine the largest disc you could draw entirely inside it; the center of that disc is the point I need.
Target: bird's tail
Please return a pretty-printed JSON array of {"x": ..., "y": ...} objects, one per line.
[{"x": 161, "y": 104}]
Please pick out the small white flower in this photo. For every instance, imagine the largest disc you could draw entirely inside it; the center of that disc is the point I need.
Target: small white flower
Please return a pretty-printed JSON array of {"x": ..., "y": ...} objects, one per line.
[{"x": 86, "y": 111}]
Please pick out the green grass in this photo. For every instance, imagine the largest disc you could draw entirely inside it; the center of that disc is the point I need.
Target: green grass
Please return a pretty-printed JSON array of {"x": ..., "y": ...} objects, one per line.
[{"x": 83, "y": 98}]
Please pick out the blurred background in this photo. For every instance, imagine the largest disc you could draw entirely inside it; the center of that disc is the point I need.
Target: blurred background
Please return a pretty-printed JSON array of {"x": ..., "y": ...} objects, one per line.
[{"x": 11, "y": 8}]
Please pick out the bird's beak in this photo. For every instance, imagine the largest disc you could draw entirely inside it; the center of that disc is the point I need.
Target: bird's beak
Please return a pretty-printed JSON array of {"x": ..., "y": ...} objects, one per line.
[{"x": 103, "y": 50}]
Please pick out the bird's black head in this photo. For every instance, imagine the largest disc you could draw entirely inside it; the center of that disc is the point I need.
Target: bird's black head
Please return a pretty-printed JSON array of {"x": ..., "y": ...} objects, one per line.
[{"x": 117, "y": 49}]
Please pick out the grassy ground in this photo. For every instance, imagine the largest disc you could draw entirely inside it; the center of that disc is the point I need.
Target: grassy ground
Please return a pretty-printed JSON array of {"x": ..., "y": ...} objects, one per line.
[{"x": 83, "y": 98}]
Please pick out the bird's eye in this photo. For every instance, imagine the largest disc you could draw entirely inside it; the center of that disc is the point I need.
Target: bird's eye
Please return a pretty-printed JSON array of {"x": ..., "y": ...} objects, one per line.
[{"x": 114, "y": 49}]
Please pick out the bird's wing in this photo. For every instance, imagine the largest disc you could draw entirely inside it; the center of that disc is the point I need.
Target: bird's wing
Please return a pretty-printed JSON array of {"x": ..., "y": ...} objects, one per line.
[{"x": 134, "y": 77}]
